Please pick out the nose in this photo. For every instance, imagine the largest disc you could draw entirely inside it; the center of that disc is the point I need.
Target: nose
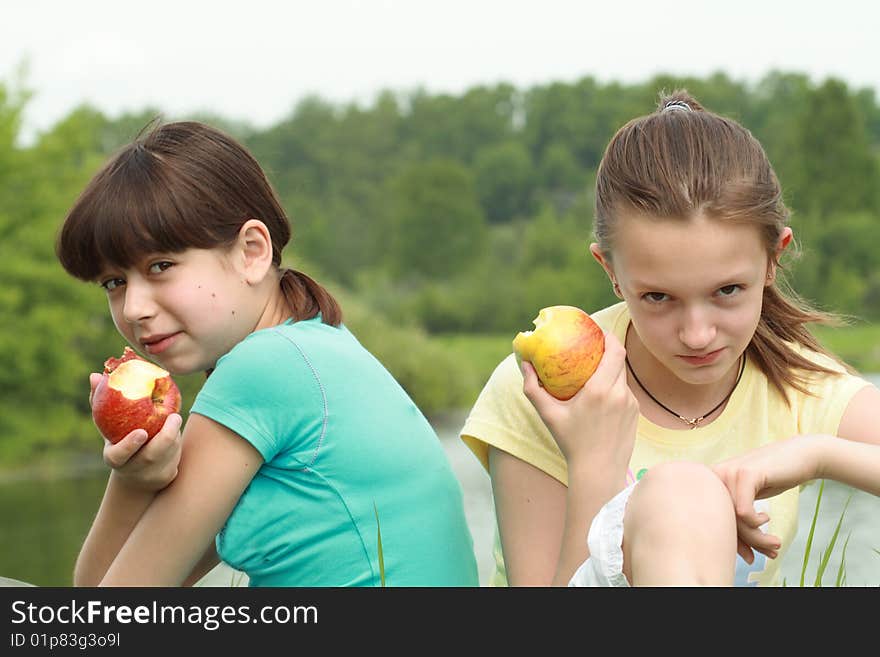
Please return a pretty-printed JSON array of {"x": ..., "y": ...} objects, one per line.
[
  {"x": 697, "y": 331},
  {"x": 138, "y": 304}
]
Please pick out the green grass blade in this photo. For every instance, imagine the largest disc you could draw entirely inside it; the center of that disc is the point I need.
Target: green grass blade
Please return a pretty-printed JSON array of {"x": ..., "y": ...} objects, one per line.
[
  {"x": 812, "y": 529},
  {"x": 823, "y": 560},
  {"x": 841, "y": 572},
  {"x": 381, "y": 553}
]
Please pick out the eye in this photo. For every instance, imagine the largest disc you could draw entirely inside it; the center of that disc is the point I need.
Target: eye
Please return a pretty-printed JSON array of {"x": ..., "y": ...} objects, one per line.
[
  {"x": 159, "y": 267},
  {"x": 729, "y": 290},
  {"x": 655, "y": 297},
  {"x": 112, "y": 283}
]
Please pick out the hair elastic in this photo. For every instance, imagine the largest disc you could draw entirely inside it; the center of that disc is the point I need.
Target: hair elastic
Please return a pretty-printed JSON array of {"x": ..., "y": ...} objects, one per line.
[{"x": 677, "y": 105}]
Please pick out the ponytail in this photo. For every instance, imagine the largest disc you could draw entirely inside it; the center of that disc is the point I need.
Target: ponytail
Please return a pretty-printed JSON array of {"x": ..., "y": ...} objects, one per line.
[{"x": 306, "y": 298}]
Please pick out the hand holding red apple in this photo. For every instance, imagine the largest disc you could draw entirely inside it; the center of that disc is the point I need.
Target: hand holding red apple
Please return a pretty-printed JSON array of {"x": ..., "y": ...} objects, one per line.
[
  {"x": 147, "y": 467},
  {"x": 133, "y": 393}
]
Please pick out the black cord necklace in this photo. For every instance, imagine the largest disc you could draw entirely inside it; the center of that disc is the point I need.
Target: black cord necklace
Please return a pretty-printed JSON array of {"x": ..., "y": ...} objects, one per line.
[{"x": 693, "y": 421}]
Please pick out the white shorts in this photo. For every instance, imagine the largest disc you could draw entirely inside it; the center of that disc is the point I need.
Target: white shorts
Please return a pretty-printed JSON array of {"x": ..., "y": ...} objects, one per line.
[{"x": 604, "y": 566}]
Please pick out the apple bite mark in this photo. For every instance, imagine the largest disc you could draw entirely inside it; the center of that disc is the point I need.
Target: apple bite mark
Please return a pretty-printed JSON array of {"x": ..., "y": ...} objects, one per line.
[
  {"x": 136, "y": 378},
  {"x": 565, "y": 349},
  {"x": 133, "y": 393},
  {"x": 112, "y": 363}
]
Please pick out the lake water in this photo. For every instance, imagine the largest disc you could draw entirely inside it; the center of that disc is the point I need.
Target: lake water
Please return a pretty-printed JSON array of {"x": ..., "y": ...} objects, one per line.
[{"x": 44, "y": 519}]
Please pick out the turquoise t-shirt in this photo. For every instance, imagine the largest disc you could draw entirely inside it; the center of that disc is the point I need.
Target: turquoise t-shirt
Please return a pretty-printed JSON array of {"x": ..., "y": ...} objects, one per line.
[{"x": 341, "y": 441}]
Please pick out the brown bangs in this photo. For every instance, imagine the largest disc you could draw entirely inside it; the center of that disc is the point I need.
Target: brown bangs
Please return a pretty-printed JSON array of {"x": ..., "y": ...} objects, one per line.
[
  {"x": 179, "y": 186},
  {"x": 130, "y": 209}
]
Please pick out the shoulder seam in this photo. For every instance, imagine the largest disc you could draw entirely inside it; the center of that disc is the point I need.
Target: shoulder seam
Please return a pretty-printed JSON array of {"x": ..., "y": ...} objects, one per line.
[{"x": 325, "y": 411}]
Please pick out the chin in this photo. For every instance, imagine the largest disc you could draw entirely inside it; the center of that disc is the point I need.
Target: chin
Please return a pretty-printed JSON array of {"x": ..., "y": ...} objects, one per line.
[
  {"x": 706, "y": 374},
  {"x": 178, "y": 366}
]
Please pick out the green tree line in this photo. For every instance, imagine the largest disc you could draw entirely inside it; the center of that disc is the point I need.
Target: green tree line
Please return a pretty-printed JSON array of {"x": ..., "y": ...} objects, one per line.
[{"x": 427, "y": 214}]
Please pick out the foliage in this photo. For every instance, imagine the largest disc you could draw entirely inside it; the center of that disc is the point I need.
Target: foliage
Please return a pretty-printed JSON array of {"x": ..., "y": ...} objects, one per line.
[
  {"x": 431, "y": 213},
  {"x": 436, "y": 225},
  {"x": 430, "y": 373},
  {"x": 825, "y": 555},
  {"x": 381, "y": 552}
]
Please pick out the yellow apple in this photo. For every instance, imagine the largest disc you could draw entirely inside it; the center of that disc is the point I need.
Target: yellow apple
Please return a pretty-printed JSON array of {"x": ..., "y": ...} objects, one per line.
[
  {"x": 565, "y": 349},
  {"x": 133, "y": 394}
]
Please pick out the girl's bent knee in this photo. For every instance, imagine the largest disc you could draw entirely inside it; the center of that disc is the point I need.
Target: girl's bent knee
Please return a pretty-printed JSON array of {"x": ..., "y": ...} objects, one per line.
[
  {"x": 681, "y": 492},
  {"x": 679, "y": 527}
]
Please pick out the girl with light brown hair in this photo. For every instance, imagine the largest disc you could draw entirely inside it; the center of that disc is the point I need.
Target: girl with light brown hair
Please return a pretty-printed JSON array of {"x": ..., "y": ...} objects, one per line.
[{"x": 678, "y": 462}]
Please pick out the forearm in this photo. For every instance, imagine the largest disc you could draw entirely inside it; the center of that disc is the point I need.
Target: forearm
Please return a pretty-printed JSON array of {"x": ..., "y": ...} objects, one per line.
[
  {"x": 589, "y": 489},
  {"x": 853, "y": 463},
  {"x": 117, "y": 516}
]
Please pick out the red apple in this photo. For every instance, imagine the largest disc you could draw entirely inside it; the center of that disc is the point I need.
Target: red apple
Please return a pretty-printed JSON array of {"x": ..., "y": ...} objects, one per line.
[
  {"x": 133, "y": 394},
  {"x": 565, "y": 349}
]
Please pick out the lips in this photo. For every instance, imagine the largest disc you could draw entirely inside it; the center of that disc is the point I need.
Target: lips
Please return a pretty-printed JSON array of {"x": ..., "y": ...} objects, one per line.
[
  {"x": 155, "y": 344},
  {"x": 702, "y": 359}
]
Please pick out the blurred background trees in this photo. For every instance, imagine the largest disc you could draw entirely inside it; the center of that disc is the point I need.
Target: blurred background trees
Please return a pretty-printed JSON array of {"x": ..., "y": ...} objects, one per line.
[{"x": 431, "y": 215}]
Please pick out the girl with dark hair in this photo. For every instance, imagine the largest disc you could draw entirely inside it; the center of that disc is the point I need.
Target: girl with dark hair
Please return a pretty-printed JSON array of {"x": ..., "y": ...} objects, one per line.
[
  {"x": 711, "y": 394},
  {"x": 297, "y": 440}
]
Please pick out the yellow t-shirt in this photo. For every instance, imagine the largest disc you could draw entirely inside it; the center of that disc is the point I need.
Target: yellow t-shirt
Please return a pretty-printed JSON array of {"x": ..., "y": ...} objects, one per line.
[{"x": 755, "y": 415}]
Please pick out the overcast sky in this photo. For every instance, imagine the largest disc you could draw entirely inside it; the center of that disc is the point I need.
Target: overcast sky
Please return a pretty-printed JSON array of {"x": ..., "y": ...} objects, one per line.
[{"x": 254, "y": 59}]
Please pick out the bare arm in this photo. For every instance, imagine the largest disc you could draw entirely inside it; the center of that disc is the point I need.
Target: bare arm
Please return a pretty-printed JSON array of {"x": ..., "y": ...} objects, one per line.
[
  {"x": 125, "y": 500},
  {"x": 774, "y": 468},
  {"x": 204, "y": 566},
  {"x": 595, "y": 431},
  {"x": 852, "y": 463},
  {"x": 530, "y": 508},
  {"x": 175, "y": 533},
  {"x": 861, "y": 420},
  {"x": 138, "y": 472},
  {"x": 119, "y": 512}
]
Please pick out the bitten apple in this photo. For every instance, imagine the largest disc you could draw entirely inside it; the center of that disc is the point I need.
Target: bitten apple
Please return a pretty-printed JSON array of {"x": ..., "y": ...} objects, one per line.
[
  {"x": 133, "y": 394},
  {"x": 565, "y": 349}
]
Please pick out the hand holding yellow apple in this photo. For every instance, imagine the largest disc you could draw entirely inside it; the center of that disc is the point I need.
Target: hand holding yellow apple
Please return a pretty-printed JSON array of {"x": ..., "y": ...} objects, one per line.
[
  {"x": 133, "y": 393},
  {"x": 565, "y": 349}
]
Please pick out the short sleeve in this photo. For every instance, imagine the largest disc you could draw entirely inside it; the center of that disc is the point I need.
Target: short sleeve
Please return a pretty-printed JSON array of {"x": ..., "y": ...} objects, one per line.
[
  {"x": 822, "y": 410},
  {"x": 504, "y": 418},
  {"x": 265, "y": 391}
]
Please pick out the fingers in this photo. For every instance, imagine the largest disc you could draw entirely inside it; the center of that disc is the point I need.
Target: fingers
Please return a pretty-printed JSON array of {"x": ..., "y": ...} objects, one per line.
[
  {"x": 749, "y": 522},
  {"x": 542, "y": 400},
  {"x": 94, "y": 379},
  {"x": 610, "y": 374},
  {"x": 742, "y": 485},
  {"x": 746, "y": 487},
  {"x": 611, "y": 365},
  {"x": 755, "y": 539},
  {"x": 167, "y": 435},
  {"x": 119, "y": 454},
  {"x": 530, "y": 377}
]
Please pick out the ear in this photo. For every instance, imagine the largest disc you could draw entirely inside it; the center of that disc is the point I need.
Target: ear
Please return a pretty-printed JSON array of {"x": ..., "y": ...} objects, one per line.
[
  {"x": 603, "y": 260},
  {"x": 254, "y": 251},
  {"x": 784, "y": 240}
]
